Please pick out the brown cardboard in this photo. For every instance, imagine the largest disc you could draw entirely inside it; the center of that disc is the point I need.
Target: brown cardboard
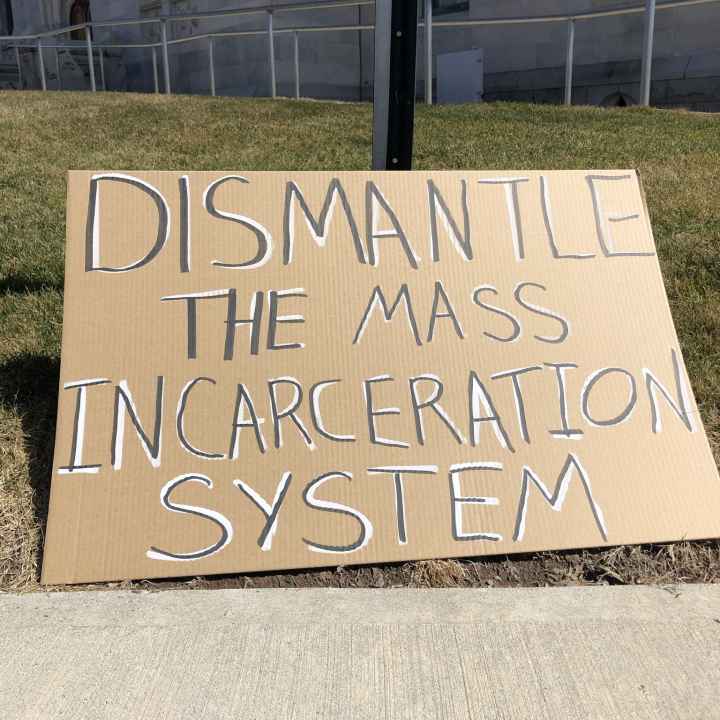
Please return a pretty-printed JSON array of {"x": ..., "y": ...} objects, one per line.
[{"x": 575, "y": 245}]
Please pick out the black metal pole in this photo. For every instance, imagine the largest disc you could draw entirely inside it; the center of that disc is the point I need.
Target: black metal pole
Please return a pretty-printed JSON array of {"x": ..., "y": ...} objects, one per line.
[{"x": 394, "y": 94}]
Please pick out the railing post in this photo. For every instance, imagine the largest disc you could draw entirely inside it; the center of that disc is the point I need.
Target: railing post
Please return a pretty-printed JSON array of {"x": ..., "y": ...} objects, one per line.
[
  {"x": 156, "y": 79},
  {"x": 57, "y": 69},
  {"x": 166, "y": 61},
  {"x": 569, "y": 58},
  {"x": 646, "y": 73},
  {"x": 91, "y": 61},
  {"x": 428, "y": 52},
  {"x": 296, "y": 57},
  {"x": 101, "y": 56},
  {"x": 271, "y": 54},
  {"x": 19, "y": 64},
  {"x": 41, "y": 65},
  {"x": 211, "y": 60}
]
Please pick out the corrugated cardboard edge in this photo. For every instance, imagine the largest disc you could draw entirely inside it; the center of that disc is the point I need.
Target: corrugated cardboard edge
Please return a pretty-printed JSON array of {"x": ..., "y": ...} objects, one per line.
[
  {"x": 68, "y": 211},
  {"x": 672, "y": 317}
]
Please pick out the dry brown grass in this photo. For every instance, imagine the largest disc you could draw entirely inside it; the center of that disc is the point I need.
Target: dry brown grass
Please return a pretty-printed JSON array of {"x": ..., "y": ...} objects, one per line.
[
  {"x": 44, "y": 134},
  {"x": 669, "y": 564},
  {"x": 18, "y": 525}
]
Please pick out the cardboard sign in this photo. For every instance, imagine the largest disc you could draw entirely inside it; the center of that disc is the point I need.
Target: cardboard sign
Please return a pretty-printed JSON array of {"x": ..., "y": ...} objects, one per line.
[{"x": 264, "y": 371}]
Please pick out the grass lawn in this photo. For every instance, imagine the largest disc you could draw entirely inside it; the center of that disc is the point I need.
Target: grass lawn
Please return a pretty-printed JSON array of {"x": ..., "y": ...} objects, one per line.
[{"x": 44, "y": 134}]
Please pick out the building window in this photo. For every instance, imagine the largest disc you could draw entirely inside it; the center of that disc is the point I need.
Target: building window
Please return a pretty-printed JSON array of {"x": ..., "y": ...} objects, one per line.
[
  {"x": 6, "y": 18},
  {"x": 79, "y": 14},
  {"x": 150, "y": 9},
  {"x": 443, "y": 7},
  {"x": 182, "y": 28}
]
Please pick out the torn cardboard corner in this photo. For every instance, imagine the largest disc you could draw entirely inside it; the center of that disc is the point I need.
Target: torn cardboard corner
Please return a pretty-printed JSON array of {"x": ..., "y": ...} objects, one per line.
[{"x": 264, "y": 371}]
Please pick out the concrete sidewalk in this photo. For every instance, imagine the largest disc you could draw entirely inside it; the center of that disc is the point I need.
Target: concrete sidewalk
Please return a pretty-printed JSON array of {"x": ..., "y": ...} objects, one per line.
[{"x": 560, "y": 653}]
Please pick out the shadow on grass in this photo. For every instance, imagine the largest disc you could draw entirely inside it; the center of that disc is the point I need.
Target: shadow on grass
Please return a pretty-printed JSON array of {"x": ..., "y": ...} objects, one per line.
[
  {"x": 29, "y": 387},
  {"x": 22, "y": 284}
]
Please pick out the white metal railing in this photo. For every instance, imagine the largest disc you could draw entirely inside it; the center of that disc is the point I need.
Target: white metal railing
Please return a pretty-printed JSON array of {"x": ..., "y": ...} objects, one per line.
[{"x": 37, "y": 41}]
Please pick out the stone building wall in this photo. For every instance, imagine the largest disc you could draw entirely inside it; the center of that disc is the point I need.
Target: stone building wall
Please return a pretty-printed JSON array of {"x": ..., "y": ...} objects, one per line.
[{"x": 522, "y": 62}]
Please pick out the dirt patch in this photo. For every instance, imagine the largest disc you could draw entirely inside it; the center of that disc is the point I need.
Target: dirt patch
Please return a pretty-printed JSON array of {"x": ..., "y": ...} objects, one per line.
[{"x": 668, "y": 564}]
